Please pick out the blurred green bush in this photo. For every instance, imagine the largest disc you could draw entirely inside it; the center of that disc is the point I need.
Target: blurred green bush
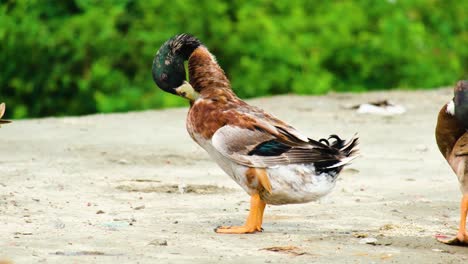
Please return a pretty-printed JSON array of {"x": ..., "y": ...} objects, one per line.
[{"x": 83, "y": 56}]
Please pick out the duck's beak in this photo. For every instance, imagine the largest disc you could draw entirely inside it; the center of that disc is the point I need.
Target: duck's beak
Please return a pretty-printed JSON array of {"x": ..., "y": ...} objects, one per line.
[{"x": 186, "y": 90}]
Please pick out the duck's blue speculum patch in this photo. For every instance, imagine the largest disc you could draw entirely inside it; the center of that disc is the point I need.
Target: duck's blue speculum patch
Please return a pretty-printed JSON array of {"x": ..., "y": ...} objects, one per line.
[{"x": 269, "y": 148}]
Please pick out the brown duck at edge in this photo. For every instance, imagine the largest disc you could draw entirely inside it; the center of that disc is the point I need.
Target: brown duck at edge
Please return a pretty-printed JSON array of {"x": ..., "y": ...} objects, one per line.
[
  {"x": 452, "y": 140},
  {"x": 2, "y": 112}
]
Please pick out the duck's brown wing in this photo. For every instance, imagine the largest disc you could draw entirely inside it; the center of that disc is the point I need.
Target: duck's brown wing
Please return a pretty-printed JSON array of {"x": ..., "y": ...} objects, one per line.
[
  {"x": 461, "y": 147},
  {"x": 258, "y": 148}
]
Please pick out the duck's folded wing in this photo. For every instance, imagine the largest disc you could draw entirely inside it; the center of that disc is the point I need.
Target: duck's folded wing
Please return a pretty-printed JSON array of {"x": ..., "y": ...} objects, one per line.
[
  {"x": 461, "y": 147},
  {"x": 269, "y": 147}
]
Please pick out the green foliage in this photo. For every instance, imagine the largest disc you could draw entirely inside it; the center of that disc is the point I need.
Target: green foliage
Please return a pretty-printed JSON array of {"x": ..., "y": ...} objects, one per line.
[{"x": 86, "y": 56}]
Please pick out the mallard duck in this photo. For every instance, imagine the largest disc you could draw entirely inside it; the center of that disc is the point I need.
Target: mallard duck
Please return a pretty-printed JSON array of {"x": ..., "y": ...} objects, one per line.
[
  {"x": 452, "y": 140},
  {"x": 272, "y": 161},
  {"x": 2, "y": 112}
]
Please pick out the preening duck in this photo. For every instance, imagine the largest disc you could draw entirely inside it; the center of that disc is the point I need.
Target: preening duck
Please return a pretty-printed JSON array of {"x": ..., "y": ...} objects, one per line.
[
  {"x": 272, "y": 161},
  {"x": 452, "y": 140}
]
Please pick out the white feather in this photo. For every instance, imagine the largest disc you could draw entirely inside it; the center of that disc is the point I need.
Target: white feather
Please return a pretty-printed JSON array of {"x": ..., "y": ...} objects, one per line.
[
  {"x": 451, "y": 108},
  {"x": 342, "y": 162}
]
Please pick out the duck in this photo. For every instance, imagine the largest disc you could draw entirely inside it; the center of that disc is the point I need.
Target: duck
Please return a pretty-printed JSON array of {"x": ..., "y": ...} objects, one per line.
[
  {"x": 2, "y": 112},
  {"x": 452, "y": 139},
  {"x": 268, "y": 158}
]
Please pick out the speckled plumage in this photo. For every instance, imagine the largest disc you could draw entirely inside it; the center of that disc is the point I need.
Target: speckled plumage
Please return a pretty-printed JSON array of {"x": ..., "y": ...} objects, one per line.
[
  {"x": 265, "y": 156},
  {"x": 228, "y": 129}
]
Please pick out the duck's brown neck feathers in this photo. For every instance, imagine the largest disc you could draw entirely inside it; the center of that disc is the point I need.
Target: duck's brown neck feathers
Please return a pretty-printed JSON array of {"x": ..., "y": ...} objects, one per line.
[
  {"x": 207, "y": 77},
  {"x": 448, "y": 131},
  {"x": 211, "y": 110}
]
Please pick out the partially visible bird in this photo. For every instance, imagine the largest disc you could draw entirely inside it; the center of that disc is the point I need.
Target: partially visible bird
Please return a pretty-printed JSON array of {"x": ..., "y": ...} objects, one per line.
[
  {"x": 452, "y": 140},
  {"x": 2, "y": 112},
  {"x": 272, "y": 161}
]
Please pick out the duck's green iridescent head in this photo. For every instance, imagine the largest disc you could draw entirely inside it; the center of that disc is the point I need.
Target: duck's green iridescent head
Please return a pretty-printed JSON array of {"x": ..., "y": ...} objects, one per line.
[
  {"x": 168, "y": 65},
  {"x": 461, "y": 102}
]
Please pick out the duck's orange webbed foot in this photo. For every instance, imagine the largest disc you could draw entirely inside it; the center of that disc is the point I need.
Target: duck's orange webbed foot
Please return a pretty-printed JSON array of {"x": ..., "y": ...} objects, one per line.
[
  {"x": 462, "y": 237},
  {"x": 238, "y": 229},
  {"x": 254, "y": 220},
  {"x": 459, "y": 240}
]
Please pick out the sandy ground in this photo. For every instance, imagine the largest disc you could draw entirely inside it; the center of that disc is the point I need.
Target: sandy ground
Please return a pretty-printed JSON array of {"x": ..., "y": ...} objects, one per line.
[{"x": 134, "y": 188}]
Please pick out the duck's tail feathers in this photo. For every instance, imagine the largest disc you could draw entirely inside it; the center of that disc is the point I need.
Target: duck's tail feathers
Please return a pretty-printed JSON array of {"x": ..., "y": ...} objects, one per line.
[
  {"x": 351, "y": 149},
  {"x": 342, "y": 162},
  {"x": 339, "y": 151},
  {"x": 348, "y": 151}
]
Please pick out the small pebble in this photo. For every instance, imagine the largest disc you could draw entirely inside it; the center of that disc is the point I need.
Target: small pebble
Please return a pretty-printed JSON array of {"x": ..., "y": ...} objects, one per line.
[
  {"x": 368, "y": 240},
  {"x": 139, "y": 207},
  {"x": 158, "y": 242}
]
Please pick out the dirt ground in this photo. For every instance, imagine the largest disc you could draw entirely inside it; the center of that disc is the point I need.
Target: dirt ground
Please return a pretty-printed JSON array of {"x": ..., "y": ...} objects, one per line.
[{"x": 134, "y": 188}]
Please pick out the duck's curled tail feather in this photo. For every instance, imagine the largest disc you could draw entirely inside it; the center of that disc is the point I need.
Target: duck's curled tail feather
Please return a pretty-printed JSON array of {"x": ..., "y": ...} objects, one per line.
[{"x": 343, "y": 153}]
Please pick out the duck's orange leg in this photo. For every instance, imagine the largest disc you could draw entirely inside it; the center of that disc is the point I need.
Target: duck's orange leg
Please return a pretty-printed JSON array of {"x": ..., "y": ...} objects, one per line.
[
  {"x": 462, "y": 237},
  {"x": 254, "y": 220},
  {"x": 462, "y": 234},
  {"x": 260, "y": 215}
]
